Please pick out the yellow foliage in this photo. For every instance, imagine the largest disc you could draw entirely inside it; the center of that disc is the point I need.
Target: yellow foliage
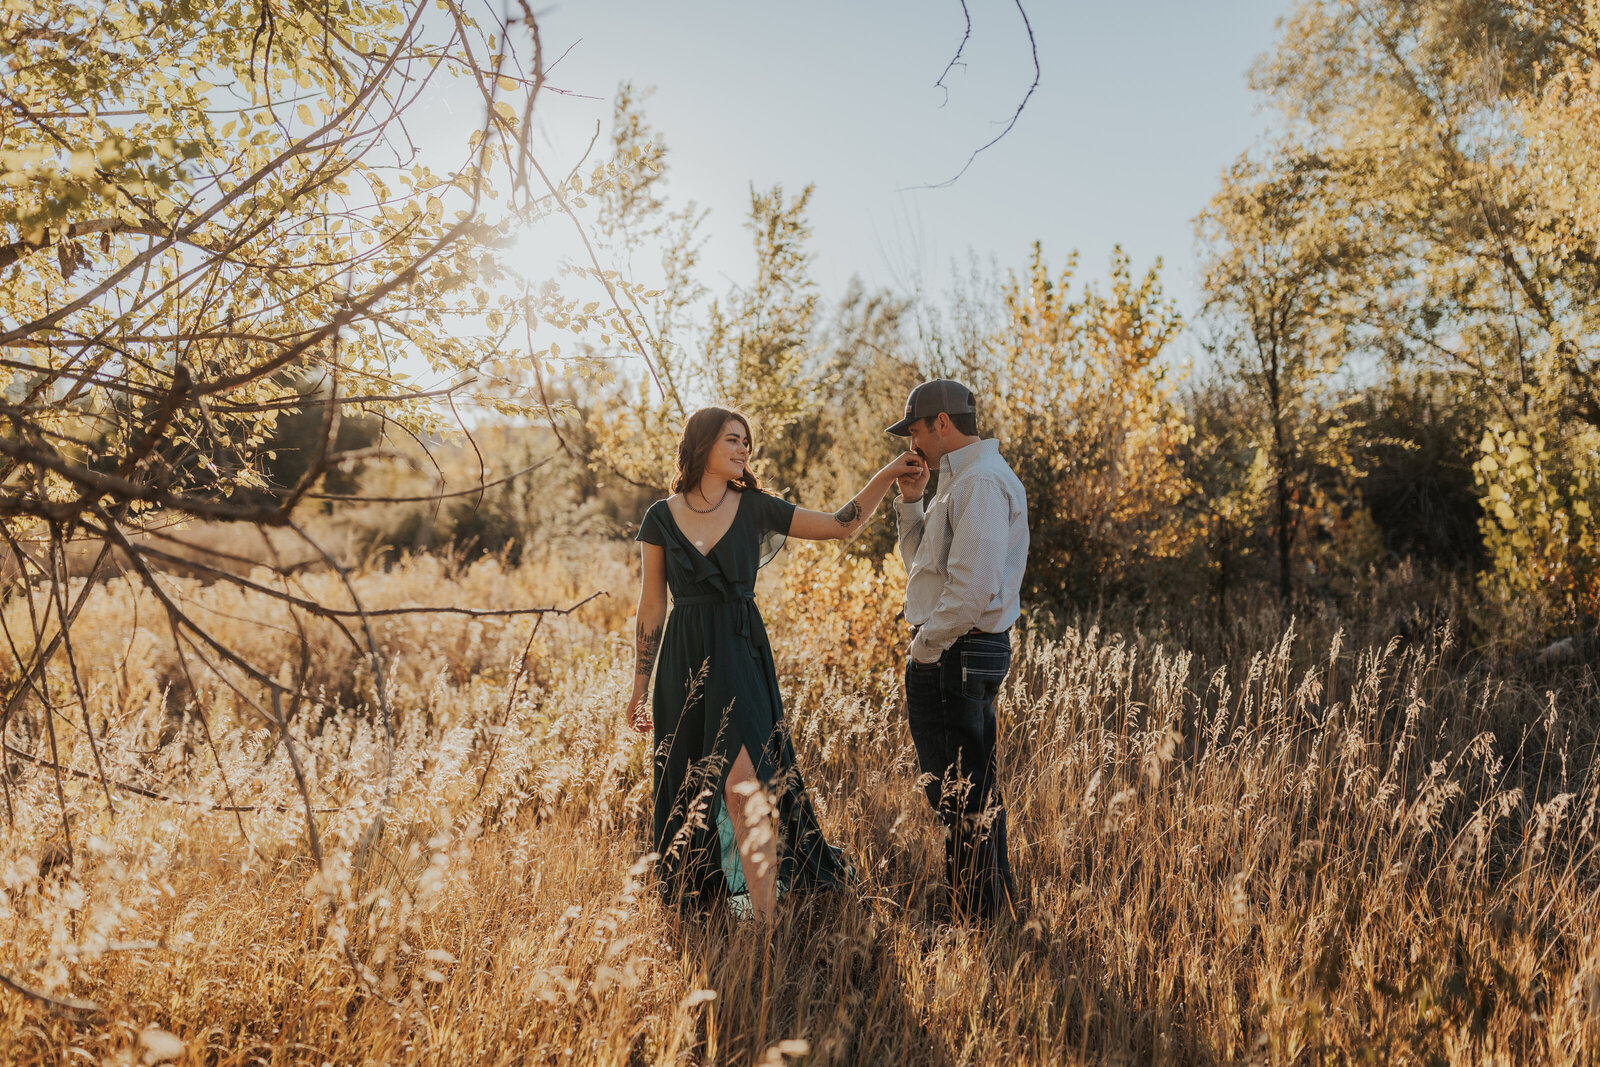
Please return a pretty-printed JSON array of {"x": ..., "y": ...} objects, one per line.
[
  {"x": 1539, "y": 524},
  {"x": 1086, "y": 416},
  {"x": 839, "y": 612}
]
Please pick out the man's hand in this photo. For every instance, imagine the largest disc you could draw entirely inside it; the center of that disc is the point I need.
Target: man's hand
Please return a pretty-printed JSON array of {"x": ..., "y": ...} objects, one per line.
[
  {"x": 912, "y": 649},
  {"x": 915, "y": 480}
]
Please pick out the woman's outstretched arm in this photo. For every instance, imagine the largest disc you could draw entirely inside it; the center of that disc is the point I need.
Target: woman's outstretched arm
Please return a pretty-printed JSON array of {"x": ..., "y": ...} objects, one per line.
[
  {"x": 820, "y": 526},
  {"x": 652, "y": 619}
]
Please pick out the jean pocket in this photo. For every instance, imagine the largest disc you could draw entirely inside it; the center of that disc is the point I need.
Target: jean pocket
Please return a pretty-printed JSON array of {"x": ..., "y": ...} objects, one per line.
[
  {"x": 922, "y": 673},
  {"x": 982, "y": 671}
]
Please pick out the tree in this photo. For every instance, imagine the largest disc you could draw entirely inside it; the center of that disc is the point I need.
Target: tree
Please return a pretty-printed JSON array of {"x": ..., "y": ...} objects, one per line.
[
  {"x": 1539, "y": 527},
  {"x": 1422, "y": 108},
  {"x": 758, "y": 344},
  {"x": 1083, "y": 406},
  {"x": 1459, "y": 136},
  {"x": 216, "y": 217},
  {"x": 861, "y": 371},
  {"x": 1284, "y": 253},
  {"x": 755, "y": 351}
]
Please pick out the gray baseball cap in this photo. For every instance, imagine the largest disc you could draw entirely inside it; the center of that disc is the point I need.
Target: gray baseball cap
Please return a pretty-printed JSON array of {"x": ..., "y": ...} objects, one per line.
[{"x": 930, "y": 398}]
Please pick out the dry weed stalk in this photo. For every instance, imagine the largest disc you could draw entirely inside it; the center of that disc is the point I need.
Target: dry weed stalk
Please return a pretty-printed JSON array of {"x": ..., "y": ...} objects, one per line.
[{"x": 1284, "y": 859}]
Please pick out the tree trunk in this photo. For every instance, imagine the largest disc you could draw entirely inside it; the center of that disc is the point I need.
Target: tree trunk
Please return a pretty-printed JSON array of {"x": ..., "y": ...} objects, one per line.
[{"x": 1285, "y": 535}]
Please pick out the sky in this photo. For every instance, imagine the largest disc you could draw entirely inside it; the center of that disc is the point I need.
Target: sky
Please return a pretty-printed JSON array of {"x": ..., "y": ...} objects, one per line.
[{"x": 1139, "y": 107}]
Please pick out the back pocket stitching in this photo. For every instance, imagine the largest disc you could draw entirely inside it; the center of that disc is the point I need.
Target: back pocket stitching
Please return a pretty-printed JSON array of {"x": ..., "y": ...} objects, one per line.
[{"x": 997, "y": 675}]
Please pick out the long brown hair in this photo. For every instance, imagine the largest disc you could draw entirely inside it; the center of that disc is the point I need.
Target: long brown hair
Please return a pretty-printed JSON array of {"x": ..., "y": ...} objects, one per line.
[{"x": 694, "y": 448}]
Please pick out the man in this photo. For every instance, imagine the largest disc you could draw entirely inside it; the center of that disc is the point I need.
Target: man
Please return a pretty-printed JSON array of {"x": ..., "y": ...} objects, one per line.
[{"x": 964, "y": 552}]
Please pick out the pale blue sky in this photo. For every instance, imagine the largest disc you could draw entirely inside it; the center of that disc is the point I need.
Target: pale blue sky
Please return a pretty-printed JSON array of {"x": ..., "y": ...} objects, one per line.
[{"x": 1140, "y": 106}]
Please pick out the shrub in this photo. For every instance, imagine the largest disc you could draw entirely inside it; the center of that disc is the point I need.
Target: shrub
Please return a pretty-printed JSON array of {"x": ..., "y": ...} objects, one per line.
[
  {"x": 1539, "y": 500},
  {"x": 1086, "y": 415},
  {"x": 840, "y": 613}
]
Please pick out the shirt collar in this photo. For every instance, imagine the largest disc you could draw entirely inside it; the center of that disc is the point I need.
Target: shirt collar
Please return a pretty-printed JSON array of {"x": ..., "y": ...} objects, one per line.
[{"x": 965, "y": 456}]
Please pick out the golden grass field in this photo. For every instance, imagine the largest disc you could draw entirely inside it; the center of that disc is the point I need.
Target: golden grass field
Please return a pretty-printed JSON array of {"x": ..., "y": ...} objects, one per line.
[{"x": 1313, "y": 849}]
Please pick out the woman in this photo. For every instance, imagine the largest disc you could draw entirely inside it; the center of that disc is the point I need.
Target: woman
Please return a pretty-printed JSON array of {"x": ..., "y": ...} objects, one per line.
[{"x": 731, "y": 813}]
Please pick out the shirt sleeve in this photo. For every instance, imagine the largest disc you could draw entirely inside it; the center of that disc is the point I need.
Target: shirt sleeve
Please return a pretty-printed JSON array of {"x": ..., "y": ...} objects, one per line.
[
  {"x": 650, "y": 527},
  {"x": 909, "y": 517},
  {"x": 979, "y": 516}
]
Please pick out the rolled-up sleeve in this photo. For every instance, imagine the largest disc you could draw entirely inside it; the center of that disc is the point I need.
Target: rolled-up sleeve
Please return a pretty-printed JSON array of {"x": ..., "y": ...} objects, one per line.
[{"x": 979, "y": 513}]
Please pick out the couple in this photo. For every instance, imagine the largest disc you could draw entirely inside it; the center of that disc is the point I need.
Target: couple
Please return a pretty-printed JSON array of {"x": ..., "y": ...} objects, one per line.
[{"x": 731, "y": 814}]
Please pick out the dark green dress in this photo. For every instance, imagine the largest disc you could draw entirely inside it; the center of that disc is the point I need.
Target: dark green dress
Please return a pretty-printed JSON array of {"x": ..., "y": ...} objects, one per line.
[{"x": 716, "y": 688}]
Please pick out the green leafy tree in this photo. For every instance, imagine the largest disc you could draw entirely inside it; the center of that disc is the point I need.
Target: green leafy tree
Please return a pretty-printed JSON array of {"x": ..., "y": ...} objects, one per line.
[
  {"x": 758, "y": 345},
  {"x": 866, "y": 366},
  {"x": 1418, "y": 113},
  {"x": 751, "y": 348}
]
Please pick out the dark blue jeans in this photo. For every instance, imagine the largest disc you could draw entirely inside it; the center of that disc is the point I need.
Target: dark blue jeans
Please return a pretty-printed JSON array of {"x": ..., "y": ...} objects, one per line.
[{"x": 951, "y": 708}]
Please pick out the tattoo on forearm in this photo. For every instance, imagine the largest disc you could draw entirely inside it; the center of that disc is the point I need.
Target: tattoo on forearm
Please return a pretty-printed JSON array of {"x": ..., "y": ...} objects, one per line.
[
  {"x": 848, "y": 515},
  {"x": 649, "y": 646}
]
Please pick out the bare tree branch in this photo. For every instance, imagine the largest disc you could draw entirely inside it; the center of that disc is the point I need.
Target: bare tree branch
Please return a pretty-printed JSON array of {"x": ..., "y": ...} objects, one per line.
[
  {"x": 1033, "y": 47},
  {"x": 955, "y": 59},
  {"x": 59, "y": 1005},
  {"x": 148, "y": 794}
]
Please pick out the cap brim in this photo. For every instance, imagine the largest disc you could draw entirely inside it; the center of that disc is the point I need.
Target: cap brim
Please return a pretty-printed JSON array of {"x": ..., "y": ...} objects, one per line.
[{"x": 901, "y": 428}]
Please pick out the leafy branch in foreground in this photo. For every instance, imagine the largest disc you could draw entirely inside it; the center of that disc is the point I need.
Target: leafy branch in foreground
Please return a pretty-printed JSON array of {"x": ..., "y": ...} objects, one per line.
[{"x": 216, "y": 217}]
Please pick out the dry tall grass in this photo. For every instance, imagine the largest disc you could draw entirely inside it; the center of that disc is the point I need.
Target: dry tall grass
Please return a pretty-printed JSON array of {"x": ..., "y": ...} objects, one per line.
[{"x": 1314, "y": 856}]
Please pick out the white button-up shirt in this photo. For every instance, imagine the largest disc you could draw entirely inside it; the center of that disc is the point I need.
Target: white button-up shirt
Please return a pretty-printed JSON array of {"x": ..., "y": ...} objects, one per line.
[{"x": 964, "y": 550}]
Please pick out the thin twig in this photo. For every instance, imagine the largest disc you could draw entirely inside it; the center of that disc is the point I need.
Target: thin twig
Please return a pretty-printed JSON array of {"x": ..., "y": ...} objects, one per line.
[
  {"x": 356, "y": 498},
  {"x": 1033, "y": 46},
  {"x": 58, "y": 587},
  {"x": 72, "y": 952},
  {"x": 511, "y": 698},
  {"x": 60, "y": 1005},
  {"x": 385, "y": 711},
  {"x": 151, "y": 794},
  {"x": 342, "y": 613},
  {"x": 948, "y": 67}
]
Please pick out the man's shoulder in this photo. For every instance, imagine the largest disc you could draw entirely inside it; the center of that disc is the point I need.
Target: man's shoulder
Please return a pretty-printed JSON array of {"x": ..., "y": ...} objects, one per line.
[
  {"x": 992, "y": 484},
  {"x": 994, "y": 468}
]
